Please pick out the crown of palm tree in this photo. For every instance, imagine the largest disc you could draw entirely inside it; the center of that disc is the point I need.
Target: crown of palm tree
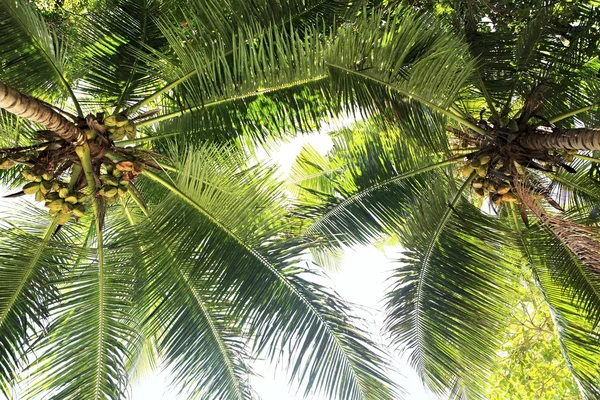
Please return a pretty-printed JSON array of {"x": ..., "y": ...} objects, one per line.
[{"x": 161, "y": 240}]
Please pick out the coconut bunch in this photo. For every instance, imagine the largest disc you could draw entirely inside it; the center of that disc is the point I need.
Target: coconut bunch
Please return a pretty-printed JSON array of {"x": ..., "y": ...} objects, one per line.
[
  {"x": 119, "y": 126},
  {"x": 496, "y": 186},
  {"x": 58, "y": 197},
  {"x": 50, "y": 165},
  {"x": 496, "y": 176},
  {"x": 116, "y": 178}
]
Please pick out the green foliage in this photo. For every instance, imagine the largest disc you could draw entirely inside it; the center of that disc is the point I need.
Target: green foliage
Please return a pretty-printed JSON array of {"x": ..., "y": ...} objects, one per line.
[
  {"x": 530, "y": 362},
  {"x": 211, "y": 273}
]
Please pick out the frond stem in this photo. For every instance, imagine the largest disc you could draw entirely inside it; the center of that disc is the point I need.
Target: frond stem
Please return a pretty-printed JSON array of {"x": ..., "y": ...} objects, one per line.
[
  {"x": 159, "y": 93},
  {"x": 587, "y": 158},
  {"x": 124, "y": 143},
  {"x": 570, "y": 113},
  {"x": 83, "y": 152},
  {"x": 488, "y": 98}
]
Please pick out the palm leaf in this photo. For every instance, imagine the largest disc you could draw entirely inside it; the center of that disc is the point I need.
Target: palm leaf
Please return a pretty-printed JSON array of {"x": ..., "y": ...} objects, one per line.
[
  {"x": 91, "y": 327},
  {"x": 451, "y": 293},
  {"x": 213, "y": 364},
  {"x": 376, "y": 178},
  {"x": 271, "y": 81},
  {"x": 28, "y": 266},
  {"x": 118, "y": 41},
  {"x": 227, "y": 222},
  {"x": 384, "y": 59}
]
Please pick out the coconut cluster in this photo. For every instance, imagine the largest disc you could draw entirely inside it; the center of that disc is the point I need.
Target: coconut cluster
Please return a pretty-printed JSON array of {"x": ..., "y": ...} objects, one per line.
[
  {"x": 58, "y": 197},
  {"x": 119, "y": 127},
  {"x": 49, "y": 166},
  {"x": 493, "y": 181}
]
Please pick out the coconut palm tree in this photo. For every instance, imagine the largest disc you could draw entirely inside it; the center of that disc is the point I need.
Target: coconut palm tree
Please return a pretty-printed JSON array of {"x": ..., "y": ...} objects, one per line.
[
  {"x": 152, "y": 235},
  {"x": 487, "y": 166}
]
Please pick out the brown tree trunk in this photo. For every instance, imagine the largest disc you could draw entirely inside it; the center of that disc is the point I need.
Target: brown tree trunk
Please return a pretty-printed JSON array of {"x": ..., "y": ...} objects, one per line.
[
  {"x": 570, "y": 139},
  {"x": 35, "y": 110},
  {"x": 583, "y": 241}
]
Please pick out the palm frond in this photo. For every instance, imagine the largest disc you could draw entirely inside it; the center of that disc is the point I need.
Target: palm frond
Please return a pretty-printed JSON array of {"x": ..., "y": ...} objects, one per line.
[
  {"x": 91, "y": 326},
  {"x": 375, "y": 178},
  {"x": 29, "y": 259},
  {"x": 451, "y": 293},
  {"x": 227, "y": 222},
  {"x": 384, "y": 59},
  {"x": 271, "y": 81},
  {"x": 549, "y": 54},
  {"x": 118, "y": 41},
  {"x": 214, "y": 364}
]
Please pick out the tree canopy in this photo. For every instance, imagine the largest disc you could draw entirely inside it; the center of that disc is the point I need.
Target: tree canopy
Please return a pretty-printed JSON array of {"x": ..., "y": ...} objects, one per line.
[{"x": 133, "y": 122}]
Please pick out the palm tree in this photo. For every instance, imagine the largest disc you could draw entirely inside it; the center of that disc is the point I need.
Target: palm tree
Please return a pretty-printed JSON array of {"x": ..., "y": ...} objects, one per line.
[
  {"x": 478, "y": 156},
  {"x": 152, "y": 236}
]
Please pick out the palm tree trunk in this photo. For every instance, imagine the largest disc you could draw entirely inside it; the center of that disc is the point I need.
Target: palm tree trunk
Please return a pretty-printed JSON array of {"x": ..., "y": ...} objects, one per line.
[
  {"x": 581, "y": 240},
  {"x": 35, "y": 110},
  {"x": 570, "y": 139}
]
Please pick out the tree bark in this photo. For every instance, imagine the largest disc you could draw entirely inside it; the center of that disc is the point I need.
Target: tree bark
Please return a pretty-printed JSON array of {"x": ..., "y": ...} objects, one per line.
[
  {"x": 570, "y": 139},
  {"x": 35, "y": 110}
]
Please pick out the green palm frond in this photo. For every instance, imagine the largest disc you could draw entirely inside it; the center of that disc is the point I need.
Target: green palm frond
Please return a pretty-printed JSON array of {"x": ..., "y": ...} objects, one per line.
[
  {"x": 368, "y": 182},
  {"x": 29, "y": 259},
  {"x": 227, "y": 222},
  {"x": 271, "y": 81},
  {"x": 34, "y": 58},
  {"x": 117, "y": 42},
  {"x": 451, "y": 293},
  {"x": 91, "y": 325},
  {"x": 384, "y": 59},
  {"x": 174, "y": 309},
  {"x": 550, "y": 52},
  {"x": 578, "y": 192}
]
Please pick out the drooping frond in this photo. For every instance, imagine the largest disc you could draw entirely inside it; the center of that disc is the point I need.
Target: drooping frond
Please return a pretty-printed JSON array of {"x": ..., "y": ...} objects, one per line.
[
  {"x": 383, "y": 62},
  {"x": 368, "y": 182},
  {"x": 451, "y": 292},
  {"x": 192, "y": 334},
  {"x": 29, "y": 260},
  {"x": 227, "y": 223},
  {"x": 85, "y": 352}
]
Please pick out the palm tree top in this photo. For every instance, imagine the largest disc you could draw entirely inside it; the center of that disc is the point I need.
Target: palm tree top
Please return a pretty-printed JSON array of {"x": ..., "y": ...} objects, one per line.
[{"x": 132, "y": 122}]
